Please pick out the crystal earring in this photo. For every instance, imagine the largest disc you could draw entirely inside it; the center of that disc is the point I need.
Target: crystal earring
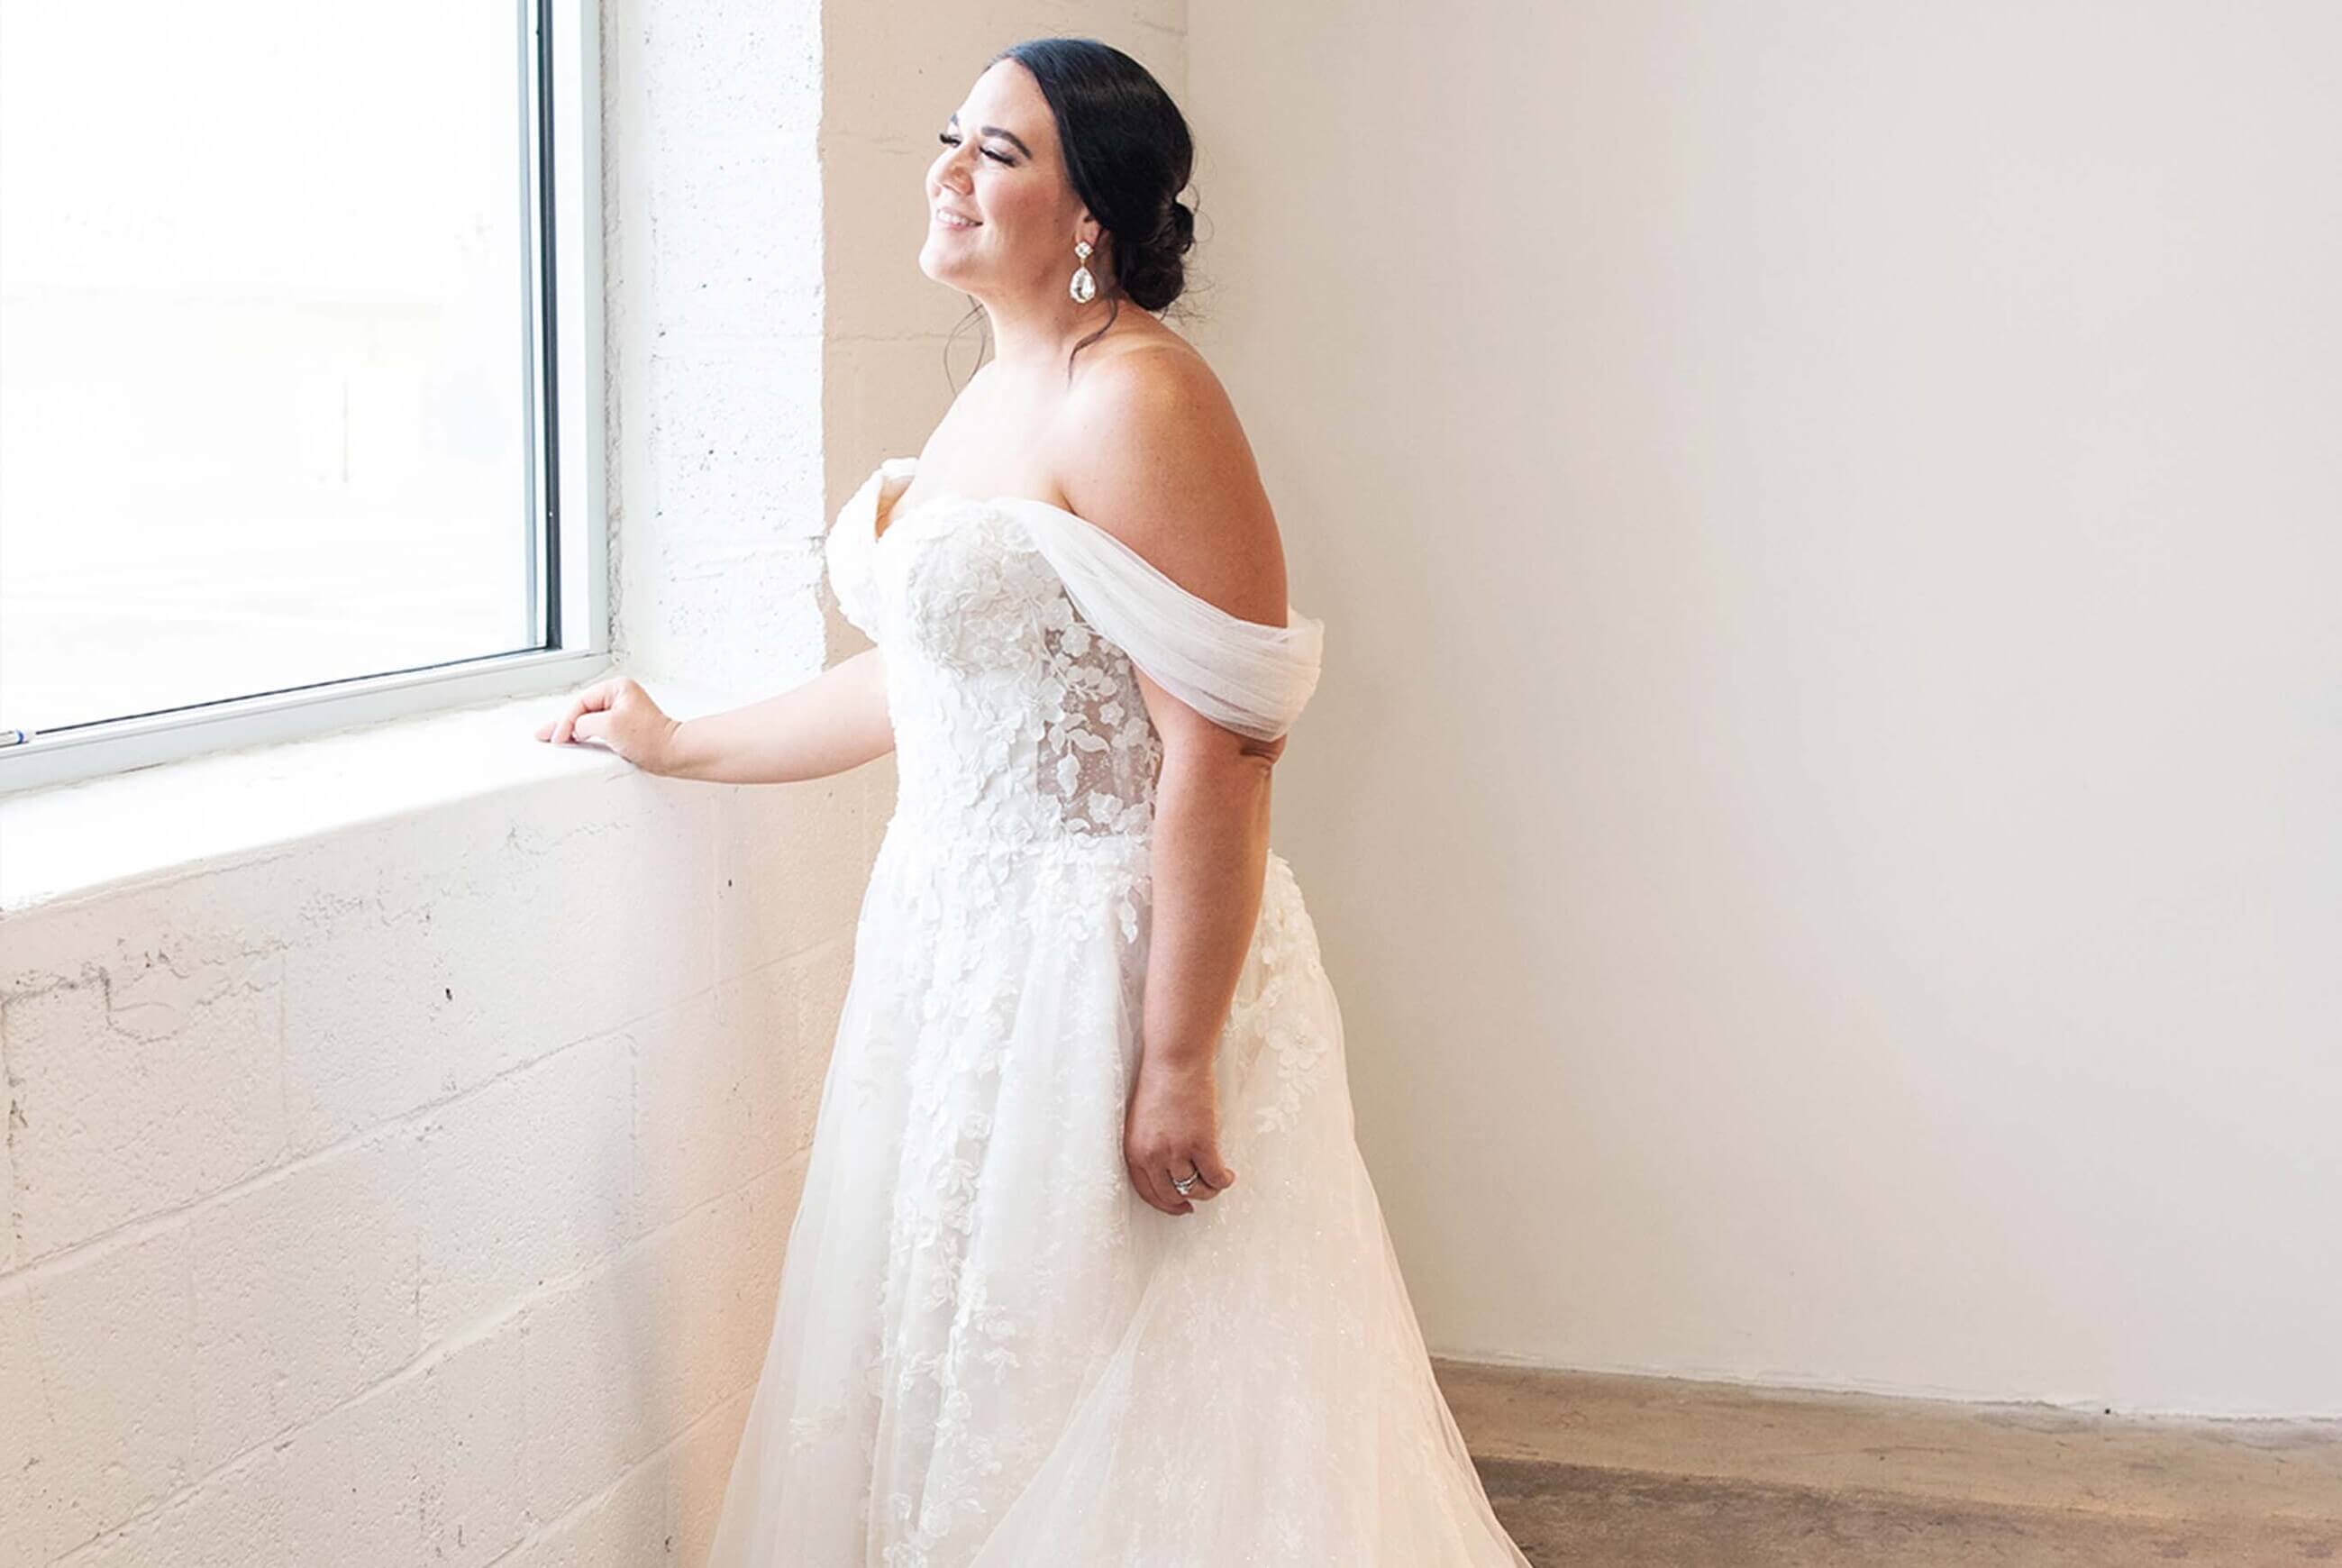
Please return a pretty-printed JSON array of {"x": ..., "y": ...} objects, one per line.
[{"x": 1085, "y": 287}]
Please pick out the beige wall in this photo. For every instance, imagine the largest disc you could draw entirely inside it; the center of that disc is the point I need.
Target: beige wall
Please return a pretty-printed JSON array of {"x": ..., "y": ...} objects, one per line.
[{"x": 1823, "y": 807}]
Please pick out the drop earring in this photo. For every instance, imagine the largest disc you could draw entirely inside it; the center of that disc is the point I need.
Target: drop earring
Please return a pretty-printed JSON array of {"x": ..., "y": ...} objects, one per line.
[{"x": 1085, "y": 287}]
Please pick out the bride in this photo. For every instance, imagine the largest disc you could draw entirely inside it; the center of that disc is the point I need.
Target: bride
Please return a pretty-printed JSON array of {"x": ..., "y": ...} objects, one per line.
[{"x": 1088, "y": 1272}]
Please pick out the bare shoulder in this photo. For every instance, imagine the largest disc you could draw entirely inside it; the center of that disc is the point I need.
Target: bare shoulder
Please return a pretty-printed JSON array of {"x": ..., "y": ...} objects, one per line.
[{"x": 1148, "y": 447}]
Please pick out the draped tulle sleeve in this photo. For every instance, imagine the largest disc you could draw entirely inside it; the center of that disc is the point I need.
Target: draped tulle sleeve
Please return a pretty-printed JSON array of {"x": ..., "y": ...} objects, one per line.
[
  {"x": 847, "y": 549},
  {"x": 1246, "y": 675}
]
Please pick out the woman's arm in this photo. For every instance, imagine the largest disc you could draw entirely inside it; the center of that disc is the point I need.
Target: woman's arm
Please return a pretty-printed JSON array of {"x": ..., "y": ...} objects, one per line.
[
  {"x": 1153, "y": 455},
  {"x": 836, "y": 721},
  {"x": 1209, "y": 859}
]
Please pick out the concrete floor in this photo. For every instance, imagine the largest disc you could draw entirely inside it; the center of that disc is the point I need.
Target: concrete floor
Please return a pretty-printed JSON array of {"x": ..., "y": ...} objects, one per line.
[{"x": 1600, "y": 1471}]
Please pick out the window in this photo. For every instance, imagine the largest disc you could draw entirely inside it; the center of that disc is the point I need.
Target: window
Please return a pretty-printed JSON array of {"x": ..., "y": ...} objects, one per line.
[{"x": 300, "y": 370}]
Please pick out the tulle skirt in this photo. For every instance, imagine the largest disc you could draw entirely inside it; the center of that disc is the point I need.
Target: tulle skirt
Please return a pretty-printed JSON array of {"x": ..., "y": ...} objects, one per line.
[{"x": 989, "y": 1351}]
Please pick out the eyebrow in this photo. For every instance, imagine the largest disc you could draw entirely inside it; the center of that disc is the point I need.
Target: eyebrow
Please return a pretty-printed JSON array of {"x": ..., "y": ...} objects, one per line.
[{"x": 995, "y": 131}]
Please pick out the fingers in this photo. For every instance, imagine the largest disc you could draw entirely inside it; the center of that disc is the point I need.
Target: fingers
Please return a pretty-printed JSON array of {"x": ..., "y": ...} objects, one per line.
[
  {"x": 1213, "y": 1176},
  {"x": 594, "y": 699},
  {"x": 1154, "y": 1178},
  {"x": 1199, "y": 1190},
  {"x": 551, "y": 729},
  {"x": 565, "y": 729},
  {"x": 1155, "y": 1187}
]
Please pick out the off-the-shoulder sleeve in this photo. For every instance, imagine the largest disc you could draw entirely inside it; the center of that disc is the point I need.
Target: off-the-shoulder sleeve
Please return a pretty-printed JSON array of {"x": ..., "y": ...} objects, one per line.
[
  {"x": 1246, "y": 675},
  {"x": 846, "y": 550}
]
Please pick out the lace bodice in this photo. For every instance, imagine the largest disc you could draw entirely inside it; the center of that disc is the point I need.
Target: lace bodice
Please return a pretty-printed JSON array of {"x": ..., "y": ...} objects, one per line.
[{"x": 1009, "y": 628}]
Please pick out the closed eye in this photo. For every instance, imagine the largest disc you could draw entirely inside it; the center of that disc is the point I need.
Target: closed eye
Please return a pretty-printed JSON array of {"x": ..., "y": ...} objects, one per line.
[{"x": 948, "y": 140}]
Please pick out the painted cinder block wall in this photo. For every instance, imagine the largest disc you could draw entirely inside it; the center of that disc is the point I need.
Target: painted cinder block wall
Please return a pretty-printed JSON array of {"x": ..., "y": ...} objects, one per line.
[{"x": 416, "y": 1192}]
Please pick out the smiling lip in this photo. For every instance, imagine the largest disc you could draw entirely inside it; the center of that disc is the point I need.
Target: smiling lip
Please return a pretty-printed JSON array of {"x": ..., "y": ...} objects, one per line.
[{"x": 965, "y": 221}]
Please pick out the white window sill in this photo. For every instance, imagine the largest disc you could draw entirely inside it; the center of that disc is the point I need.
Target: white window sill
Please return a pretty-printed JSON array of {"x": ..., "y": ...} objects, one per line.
[{"x": 156, "y": 824}]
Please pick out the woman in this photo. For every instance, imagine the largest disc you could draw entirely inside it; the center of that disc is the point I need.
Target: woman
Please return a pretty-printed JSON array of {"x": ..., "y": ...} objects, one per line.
[{"x": 1087, "y": 1271}]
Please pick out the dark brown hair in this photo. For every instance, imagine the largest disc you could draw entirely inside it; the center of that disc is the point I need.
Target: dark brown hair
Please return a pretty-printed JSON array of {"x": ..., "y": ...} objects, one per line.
[{"x": 1128, "y": 155}]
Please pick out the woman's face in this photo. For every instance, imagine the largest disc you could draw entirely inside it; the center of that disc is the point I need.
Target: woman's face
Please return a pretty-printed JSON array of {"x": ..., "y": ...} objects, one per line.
[{"x": 999, "y": 164}]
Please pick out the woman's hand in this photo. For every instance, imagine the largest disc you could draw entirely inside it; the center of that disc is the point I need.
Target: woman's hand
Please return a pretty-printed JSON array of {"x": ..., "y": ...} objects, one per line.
[
  {"x": 1173, "y": 1128},
  {"x": 621, "y": 715}
]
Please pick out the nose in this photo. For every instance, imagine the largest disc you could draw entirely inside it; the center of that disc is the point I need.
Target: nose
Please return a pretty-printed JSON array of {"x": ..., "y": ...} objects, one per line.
[{"x": 951, "y": 169}]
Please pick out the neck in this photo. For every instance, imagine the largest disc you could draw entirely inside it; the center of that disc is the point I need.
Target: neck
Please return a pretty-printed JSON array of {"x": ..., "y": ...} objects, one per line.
[{"x": 1037, "y": 334}]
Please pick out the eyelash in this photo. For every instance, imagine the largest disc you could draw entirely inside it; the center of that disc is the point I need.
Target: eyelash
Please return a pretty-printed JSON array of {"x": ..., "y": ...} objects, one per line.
[{"x": 948, "y": 140}]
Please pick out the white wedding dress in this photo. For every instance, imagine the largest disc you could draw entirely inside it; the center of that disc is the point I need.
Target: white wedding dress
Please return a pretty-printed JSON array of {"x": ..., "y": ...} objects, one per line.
[{"x": 989, "y": 1351}]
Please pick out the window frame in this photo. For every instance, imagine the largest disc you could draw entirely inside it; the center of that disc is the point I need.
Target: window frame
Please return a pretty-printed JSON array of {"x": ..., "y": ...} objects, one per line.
[{"x": 561, "y": 97}]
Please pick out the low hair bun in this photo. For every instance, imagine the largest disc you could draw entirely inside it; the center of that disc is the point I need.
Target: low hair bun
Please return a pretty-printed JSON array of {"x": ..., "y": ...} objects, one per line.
[{"x": 1151, "y": 270}]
